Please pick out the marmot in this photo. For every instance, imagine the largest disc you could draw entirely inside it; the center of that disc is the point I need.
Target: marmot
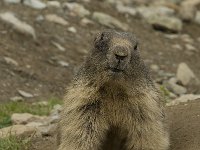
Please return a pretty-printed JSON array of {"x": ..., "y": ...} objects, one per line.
[{"x": 112, "y": 101}]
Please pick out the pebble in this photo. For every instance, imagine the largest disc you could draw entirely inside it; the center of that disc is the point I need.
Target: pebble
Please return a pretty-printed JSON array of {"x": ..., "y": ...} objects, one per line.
[
  {"x": 56, "y": 19},
  {"x": 25, "y": 94},
  {"x": 11, "y": 61},
  {"x": 57, "y": 45},
  {"x": 72, "y": 29},
  {"x": 36, "y": 4},
  {"x": 18, "y": 25}
]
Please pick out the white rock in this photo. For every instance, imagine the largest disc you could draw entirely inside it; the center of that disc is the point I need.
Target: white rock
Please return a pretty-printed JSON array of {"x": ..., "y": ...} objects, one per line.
[
  {"x": 40, "y": 18},
  {"x": 166, "y": 23},
  {"x": 187, "y": 38},
  {"x": 18, "y": 25},
  {"x": 12, "y": 1},
  {"x": 58, "y": 46},
  {"x": 17, "y": 99},
  {"x": 11, "y": 61},
  {"x": 86, "y": 21},
  {"x": 175, "y": 88},
  {"x": 56, "y": 19},
  {"x": 190, "y": 47},
  {"x": 197, "y": 17},
  {"x": 24, "y": 118},
  {"x": 17, "y": 130},
  {"x": 25, "y": 94},
  {"x": 183, "y": 99},
  {"x": 72, "y": 29},
  {"x": 185, "y": 74},
  {"x": 177, "y": 46},
  {"x": 63, "y": 63},
  {"x": 126, "y": 10},
  {"x": 188, "y": 9},
  {"x": 77, "y": 9},
  {"x": 34, "y": 124},
  {"x": 36, "y": 4},
  {"x": 108, "y": 20},
  {"x": 154, "y": 67},
  {"x": 53, "y": 4}
]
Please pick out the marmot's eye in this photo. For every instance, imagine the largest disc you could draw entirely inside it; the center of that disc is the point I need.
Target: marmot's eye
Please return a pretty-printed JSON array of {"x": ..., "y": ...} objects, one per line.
[{"x": 136, "y": 47}]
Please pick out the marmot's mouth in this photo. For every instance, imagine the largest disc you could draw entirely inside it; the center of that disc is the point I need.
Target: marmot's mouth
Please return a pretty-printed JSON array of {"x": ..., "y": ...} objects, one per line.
[{"x": 116, "y": 70}]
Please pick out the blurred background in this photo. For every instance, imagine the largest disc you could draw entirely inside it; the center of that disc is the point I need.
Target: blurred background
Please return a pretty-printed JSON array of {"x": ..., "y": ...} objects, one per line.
[{"x": 42, "y": 43}]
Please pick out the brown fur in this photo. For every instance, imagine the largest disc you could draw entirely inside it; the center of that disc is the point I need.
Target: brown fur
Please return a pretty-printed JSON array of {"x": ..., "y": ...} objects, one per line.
[{"x": 108, "y": 110}]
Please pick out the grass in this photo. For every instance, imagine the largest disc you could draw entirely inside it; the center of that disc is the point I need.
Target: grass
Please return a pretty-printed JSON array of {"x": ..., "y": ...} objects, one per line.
[
  {"x": 14, "y": 143},
  {"x": 7, "y": 109}
]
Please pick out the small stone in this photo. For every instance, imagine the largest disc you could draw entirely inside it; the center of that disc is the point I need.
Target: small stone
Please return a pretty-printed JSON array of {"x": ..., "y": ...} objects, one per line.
[
  {"x": 40, "y": 18},
  {"x": 47, "y": 130},
  {"x": 177, "y": 46},
  {"x": 86, "y": 21},
  {"x": 154, "y": 67},
  {"x": 25, "y": 94},
  {"x": 56, "y": 19},
  {"x": 72, "y": 29},
  {"x": 77, "y": 9},
  {"x": 17, "y": 99},
  {"x": 11, "y": 61},
  {"x": 60, "y": 47},
  {"x": 34, "y": 124},
  {"x": 17, "y": 130},
  {"x": 197, "y": 17},
  {"x": 175, "y": 88},
  {"x": 198, "y": 39},
  {"x": 187, "y": 38},
  {"x": 185, "y": 74},
  {"x": 36, "y": 4},
  {"x": 63, "y": 63},
  {"x": 18, "y": 25},
  {"x": 24, "y": 118},
  {"x": 171, "y": 36},
  {"x": 183, "y": 99},
  {"x": 190, "y": 47},
  {"x": 55, "y": 4},
  {"x": 108, "y": 20},
  {"x": 126, "y": 10},
  {"x": 42, "y": 103}
]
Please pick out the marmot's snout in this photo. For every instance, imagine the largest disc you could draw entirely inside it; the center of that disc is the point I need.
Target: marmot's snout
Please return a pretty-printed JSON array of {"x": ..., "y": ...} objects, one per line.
[{"x": 119, "y": 58}]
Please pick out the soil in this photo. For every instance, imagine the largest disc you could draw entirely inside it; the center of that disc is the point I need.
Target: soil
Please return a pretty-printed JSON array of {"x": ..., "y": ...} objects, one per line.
[{"x": 39, "y": 73}]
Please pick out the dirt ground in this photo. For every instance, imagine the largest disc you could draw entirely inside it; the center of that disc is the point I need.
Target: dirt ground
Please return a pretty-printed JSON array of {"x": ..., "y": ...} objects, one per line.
[{"x": 39, "y": 73}]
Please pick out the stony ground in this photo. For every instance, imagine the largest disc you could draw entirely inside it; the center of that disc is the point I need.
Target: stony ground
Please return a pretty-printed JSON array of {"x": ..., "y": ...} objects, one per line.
[{"x": 39, "y": 56}]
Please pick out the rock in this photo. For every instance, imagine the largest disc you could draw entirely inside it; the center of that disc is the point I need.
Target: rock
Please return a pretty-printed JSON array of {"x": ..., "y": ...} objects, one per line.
[
  {"x": 36, "y": 4},
  {"x": 17, "y": 130},
  {"x": 190, "y": 47},
  {"x": 187, "y": 38},
  {"x": 108, "y": 21},
  {"x": 63, "y": 63},
  {"x": 197, "y": 17},
  {"x": 177, "y": 46},
  {"x": 175, "y": 88},
  {"x": 198, "y": 39},
  {"x": 25, "y": 94},
  {"x": 86, "y": 21},
  {"x": 17, "y": 99},
  {"x": 55, "y": 4},
  {"x": 40, "y": 18},
  {"x": 171, "y": 36},
  {"x": 154, "y": 67},
  {"x": 48, "y": 130},
  {"x": 76, "y": 9},
  {"x": 24, "y": 118},
  {"x": 56, "y": 110},
  {"x": 57, "y": 45},
  {"x": 42, "y": 103},
  {"x": 12, "y": 1},
  {"x": 18, "y": 25},
  {"x": 126, "y": 10},
  {"x": 146, "y": 12},
  {"x": 11, "y": 61},
  {"x": 34, "y": 124},
  {"x": 171, "y": 24},
  {"x": 56, "y": 19},
  {"x": 183, "y": 99},
  {"x": 185, "y": 74},
  {"x": 72, "y": 29},
  {"x": 161, "y": 18}
]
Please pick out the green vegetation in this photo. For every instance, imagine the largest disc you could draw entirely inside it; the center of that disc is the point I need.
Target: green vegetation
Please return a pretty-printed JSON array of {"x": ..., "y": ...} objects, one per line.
[
  {"x": 14, "y": 143},
  {"x": 165, "y": 92},
  {"x": 7, "y": 109}
]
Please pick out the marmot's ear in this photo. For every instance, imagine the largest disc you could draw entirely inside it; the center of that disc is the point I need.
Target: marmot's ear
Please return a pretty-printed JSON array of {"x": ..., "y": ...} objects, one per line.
[{"x": 98, "y": 40}]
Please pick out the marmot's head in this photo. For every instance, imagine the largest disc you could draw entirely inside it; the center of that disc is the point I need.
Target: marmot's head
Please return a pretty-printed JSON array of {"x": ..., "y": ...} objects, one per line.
[{"x": 114, "y": 54}]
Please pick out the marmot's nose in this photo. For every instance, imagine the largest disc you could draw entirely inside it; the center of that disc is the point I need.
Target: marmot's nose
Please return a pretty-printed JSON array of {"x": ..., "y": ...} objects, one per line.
[{"x": 120, "y": 53}]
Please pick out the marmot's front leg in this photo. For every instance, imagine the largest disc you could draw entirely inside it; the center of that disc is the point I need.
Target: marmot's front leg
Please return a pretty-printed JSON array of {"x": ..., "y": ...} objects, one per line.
[
  {"x": 82, "y": 129},
  {"x": 148, "y": 137}
]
